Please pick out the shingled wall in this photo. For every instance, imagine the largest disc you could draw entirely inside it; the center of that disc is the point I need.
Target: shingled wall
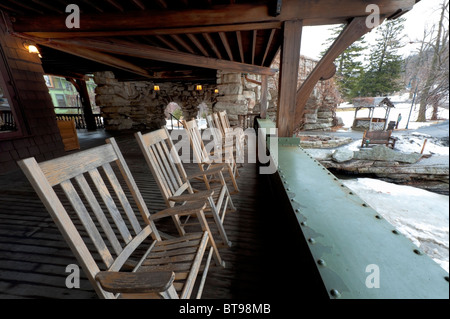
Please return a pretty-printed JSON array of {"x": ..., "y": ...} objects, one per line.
[{"x": 38, "y": 135}]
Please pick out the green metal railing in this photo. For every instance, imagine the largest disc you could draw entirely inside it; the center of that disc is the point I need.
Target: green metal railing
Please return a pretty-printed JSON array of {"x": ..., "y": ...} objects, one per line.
[{"x": 357, "y": 253}]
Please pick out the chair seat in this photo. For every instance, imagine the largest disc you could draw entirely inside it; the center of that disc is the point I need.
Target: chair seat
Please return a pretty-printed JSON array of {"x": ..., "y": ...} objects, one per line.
[{"x": 178, "y": 255}]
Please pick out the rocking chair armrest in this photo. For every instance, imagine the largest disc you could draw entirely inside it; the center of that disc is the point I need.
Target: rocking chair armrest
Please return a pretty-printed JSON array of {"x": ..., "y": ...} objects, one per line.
[
  {"x": 135, "y": 282},
  {"x": 186, "y": 209},
  {"x": 211, "y": 171},
  {"x": 202, "y": 195}
]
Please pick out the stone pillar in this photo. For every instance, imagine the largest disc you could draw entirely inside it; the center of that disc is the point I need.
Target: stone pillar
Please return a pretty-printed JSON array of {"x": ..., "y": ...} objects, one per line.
[{"x": 231, "y": 96}]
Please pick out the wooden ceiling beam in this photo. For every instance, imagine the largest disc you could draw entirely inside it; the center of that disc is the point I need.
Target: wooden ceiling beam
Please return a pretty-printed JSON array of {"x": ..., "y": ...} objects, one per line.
[
  {"x": 47, "y": 6},
  {"x": 139, "y": 4},
  {"x": 198, "y": 44},
  {"x": 158, "y": 54},
  {"x": 216, "y": 15},
  {"x": 20, "y": 4},
  {"x": 116, "y": 5},
  {"x": 9, "y": 9},
  {"x": 183, "y": 43},
  {"x": 167, "y": 43},
  {"x": 90, "y": 54},
  {"x": 96, "y": 7},
  {"x": 164, "y": 31},
  {"x": 255, "y": 33},
  {"x": 241, "y": 49},
  {"x": 162, "y": 4},
  {"x": 212, "y": 45},
  {"x": 226, "y": 45},
  {"x": 269, "y": 42}
]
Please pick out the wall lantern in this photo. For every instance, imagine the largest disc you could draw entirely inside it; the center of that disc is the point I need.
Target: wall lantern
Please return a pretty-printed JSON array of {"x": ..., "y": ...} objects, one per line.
[
  {"x": 156, "y": 87},
  {"x": 198, "y": 87},
  {"x": 31, "y": 48},
  {"x": 216, "y": 91}
]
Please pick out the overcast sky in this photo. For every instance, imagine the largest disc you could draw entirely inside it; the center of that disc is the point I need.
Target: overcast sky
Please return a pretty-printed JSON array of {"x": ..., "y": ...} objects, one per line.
[{"x": 426, "y": 12}]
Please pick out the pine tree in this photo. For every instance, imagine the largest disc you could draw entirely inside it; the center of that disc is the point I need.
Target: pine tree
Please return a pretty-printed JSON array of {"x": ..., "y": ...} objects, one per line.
[
  {"x": 385, "y": 64},
  {"x": 349, "y": 64}
]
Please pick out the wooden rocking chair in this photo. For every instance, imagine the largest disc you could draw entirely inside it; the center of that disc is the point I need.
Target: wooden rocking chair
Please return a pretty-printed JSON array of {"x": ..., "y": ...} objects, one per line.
[
  {"x": 223, "y": 144},
  {"x": 205, "y": 160},
  {"x": 119, "y": 249},
  {"x": 235, "y": 134},
  {"x": 173, "y": 182}
]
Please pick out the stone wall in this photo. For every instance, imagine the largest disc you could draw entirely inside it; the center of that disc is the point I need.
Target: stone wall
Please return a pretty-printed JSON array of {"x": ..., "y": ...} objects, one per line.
[
  {"x": 321, "y": 106},
  {"x": 136, "y": 105},
  {"x": 238, "y": 95}
]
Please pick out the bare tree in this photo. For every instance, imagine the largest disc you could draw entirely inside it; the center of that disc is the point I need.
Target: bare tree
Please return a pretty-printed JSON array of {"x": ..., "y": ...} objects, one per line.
[{"x": 434, "y": 74}]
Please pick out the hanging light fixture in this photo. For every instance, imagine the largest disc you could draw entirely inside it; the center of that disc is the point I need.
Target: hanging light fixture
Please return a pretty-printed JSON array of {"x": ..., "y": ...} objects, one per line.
[
  {"x": 199, "y": 87},
  {"x": 31, "y": 48}
]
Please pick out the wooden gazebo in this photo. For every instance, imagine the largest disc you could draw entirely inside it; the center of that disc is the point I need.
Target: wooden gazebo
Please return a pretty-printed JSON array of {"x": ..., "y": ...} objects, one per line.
[{"x": 371, "y": 122}]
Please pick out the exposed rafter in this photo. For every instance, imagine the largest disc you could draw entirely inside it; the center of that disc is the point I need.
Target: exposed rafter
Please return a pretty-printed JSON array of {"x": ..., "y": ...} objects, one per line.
[
  {"x": 310, "y": 11},
  {"x": 148, "y": 52}
]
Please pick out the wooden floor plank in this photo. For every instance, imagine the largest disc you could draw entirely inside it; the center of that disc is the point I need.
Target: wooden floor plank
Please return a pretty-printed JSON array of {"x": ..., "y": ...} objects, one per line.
[{"x": 33, "y": 255}]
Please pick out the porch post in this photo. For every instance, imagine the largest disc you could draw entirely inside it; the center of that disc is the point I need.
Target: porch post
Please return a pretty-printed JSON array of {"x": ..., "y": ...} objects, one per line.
[
  {"x": 264, "y": 89},
  {"x": 287, "y": 88},
  {"x": 86, "y": 104}
]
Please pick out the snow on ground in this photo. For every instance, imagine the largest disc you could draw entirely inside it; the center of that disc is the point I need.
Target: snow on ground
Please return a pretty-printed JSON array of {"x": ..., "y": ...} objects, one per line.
[
  {"x": 420, "y": 215},
  {"x": 402, "y": 106},
  {"x": 201, "y": 123}
]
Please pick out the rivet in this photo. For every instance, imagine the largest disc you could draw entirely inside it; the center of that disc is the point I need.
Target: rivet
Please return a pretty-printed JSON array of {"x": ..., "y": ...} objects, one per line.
[
  {"x": 335, "y": 179},
  {"x": 395, "y": 232},
  {"x": 335, "y": 293},
  {"x": 297, "y": 210},
  {"x": 312, "y": 240},
  {"x": 418, "y": 252},
  {"x": 321, "y": 262},
  {"x": 342, "y": 185},
  {"x": 446, "y": 278},
  {"x": 351, "y": 193},
  {"x": 288, "y": 189},
  {"x": 303, "y": 223},
  {"x": 365, "y": 205},
  {"x": 377, "y": 216}
]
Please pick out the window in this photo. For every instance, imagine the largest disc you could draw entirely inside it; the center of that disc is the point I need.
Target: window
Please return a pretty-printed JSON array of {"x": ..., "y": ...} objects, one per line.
[
  {"x": 8, "y": 123},
  {"x": 61, "y": 100},
  {"x": 48, "y": 81}
]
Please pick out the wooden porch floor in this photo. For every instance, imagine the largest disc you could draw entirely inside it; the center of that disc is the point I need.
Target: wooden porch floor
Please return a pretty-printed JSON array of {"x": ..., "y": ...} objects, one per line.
[{"x": 34, "y": 256}]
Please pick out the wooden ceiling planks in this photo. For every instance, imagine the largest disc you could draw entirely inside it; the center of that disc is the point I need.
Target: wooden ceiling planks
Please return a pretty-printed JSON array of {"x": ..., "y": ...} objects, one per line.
[{"x": 240, "y": 35}]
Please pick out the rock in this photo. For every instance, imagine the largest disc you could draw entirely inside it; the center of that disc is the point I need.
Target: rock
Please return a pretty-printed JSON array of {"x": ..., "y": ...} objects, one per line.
[
  {"x": 342, "y": 155},
  {"x": 309, "y": 127},
  {"x": 340, "y": 121},
  {"x": 384, "y": 153}
]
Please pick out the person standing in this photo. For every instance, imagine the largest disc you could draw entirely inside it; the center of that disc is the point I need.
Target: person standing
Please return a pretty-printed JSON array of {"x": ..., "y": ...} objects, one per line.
[{"x": 399, "y": 118}]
